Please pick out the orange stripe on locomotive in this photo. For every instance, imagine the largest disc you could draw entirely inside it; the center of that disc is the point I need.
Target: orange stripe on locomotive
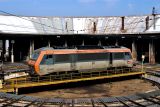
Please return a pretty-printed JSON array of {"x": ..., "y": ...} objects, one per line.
[{"x": 71, "y": 51}]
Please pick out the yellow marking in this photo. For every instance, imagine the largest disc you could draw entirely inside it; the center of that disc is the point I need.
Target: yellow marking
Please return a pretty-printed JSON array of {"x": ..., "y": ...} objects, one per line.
[{"x": 7, "y": 90}]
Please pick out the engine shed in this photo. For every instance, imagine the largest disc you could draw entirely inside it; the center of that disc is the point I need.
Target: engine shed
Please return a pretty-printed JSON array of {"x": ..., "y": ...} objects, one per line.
[{"x": 21, "y": 35}]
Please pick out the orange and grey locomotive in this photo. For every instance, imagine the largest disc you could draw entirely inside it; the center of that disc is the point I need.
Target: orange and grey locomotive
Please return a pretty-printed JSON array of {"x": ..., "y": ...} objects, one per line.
[{"x": 49, "y": 60}]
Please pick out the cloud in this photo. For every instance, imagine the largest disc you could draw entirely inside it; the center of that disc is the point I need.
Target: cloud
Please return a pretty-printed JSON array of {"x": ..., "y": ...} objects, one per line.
[
  {"x": 3, "y": 0},
  {"x": 130, "y": 6},
  {"x": 7, "y": 0},
  {"x": 108, "y": 2},
  {"x": 87, "y": 1},
  {"x": 111, "y": 2}
]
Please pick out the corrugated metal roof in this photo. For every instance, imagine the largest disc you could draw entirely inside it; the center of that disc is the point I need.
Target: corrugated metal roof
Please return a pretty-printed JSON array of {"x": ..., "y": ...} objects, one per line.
[{"x": 79, "y": 25}]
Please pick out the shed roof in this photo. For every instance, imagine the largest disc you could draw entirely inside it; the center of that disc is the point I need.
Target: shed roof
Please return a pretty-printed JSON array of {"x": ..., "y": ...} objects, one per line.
[{"x": 78, "y": 25}]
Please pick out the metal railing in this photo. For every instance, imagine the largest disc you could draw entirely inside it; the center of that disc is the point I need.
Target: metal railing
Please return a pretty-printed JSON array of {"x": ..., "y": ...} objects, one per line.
[{"x": 79, "y": 76}]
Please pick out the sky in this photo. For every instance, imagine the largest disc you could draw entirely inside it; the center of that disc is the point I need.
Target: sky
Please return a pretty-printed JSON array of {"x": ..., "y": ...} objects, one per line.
[{"x": 79, "y": 7}]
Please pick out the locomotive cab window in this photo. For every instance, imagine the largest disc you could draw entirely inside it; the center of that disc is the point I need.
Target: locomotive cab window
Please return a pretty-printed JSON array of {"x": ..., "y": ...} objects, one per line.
[
  {"x": 47, "y": 60},
  {"x": 128, "y": 55},
  {"x": 119, "y": 55}
]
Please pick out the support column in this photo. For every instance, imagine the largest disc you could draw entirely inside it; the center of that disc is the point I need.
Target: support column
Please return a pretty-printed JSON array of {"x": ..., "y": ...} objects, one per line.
[
  {"x": 134, "y": 51},
  {"x": 49, "y": 43},
  {"x": 83, "y": 42},
  {"x": 31, "y": 49},
  {"x": 116, "y": 44},
  {"x": 12, "y": 51},
  {"x": 32, "y": 46},
  {"x": 65, "y": 44},
  {"x": 6, "y": 55},
  {"x": 151, "y": 52},
  {"x": 1, "y": 49},
  {"x": 99, "y": 43}
]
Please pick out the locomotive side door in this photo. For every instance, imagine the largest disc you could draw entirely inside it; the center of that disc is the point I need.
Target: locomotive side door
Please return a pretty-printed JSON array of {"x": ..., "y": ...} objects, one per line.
[
  {"x": 110, "y": 59},
  {"x": 84, "y": 62},
  {"x": 100, "y": 61},
  {"x": 118, "y": 59}
]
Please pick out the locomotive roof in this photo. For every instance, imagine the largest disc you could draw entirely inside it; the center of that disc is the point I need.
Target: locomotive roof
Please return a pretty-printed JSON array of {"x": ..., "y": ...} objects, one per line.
[
  {"x": 81, "y": 50},
  {"x": 80, "y": 47}
]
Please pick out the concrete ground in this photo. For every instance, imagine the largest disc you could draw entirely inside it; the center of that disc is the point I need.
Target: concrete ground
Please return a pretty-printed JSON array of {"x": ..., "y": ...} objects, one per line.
[{"x": 118, "y": 88}]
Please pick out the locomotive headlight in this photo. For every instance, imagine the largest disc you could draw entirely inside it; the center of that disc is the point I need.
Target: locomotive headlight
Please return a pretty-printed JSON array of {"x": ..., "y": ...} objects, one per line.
[{"x": 129, "y": 62}]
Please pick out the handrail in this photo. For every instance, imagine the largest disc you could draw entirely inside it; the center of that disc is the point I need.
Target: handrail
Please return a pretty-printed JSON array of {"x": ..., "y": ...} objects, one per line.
[{"x": 61, "y": 77}]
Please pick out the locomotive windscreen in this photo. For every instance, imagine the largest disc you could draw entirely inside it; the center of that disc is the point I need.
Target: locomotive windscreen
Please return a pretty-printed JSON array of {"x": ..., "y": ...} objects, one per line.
[
  {"x": 128, "y": 55},
  {"x": 35, "y": 55}
]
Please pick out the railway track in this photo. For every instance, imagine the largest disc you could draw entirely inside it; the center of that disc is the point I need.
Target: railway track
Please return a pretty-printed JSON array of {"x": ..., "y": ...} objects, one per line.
[{"x": 149, "y": 99}]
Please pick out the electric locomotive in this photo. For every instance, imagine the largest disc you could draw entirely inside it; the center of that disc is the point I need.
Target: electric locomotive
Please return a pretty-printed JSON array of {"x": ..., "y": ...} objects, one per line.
[{"x": 81, "y": 59}]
